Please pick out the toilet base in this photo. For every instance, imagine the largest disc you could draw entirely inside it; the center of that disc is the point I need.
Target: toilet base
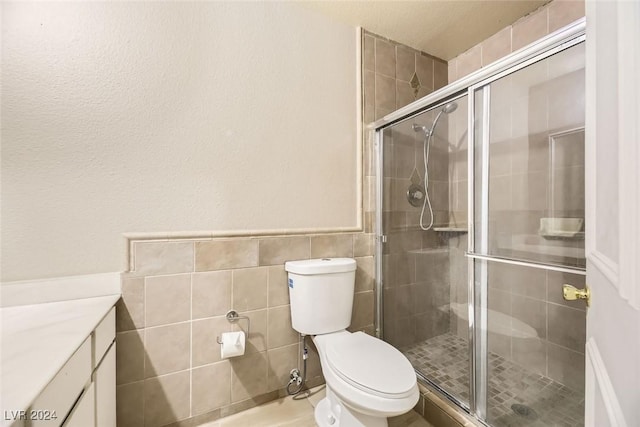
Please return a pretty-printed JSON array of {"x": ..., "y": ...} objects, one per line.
[{"x": 330, "y": 412}]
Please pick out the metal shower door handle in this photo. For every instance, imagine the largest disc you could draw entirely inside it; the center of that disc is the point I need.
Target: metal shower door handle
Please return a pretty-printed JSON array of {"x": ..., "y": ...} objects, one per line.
[{"x": 571, "y": 293}]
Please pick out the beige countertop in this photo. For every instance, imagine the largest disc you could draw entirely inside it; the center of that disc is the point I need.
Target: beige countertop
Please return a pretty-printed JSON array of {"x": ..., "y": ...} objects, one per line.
[{"x": 36, "y": 342}]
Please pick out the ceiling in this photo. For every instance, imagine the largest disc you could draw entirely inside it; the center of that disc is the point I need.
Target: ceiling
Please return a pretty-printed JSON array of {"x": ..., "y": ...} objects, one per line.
[{"x": 443, "y": 28}]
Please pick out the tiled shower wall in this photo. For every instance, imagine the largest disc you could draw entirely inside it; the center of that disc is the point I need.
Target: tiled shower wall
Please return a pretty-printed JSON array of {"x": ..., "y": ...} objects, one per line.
[
  {"x": 534, "y": 297},
  {"x": 458, "y": 207},
  {"x": 525, "y": 185},
  {"x": 395, "y": 75},
  {"x": 519, "y": 166},
  {"x": 528, "y": 29},
  {"x": 173, "y": 306},
  {"x": 415, "y": 262},
  {"x": 524, "y": 31}
]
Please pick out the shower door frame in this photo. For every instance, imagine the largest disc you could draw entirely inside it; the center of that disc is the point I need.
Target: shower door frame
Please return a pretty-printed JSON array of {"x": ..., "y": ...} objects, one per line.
[{"x": 558, "y": 41}]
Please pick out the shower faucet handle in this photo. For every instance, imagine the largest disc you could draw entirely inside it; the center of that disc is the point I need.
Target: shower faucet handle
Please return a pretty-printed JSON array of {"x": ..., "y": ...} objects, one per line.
[{"x": 415, "y": 195}]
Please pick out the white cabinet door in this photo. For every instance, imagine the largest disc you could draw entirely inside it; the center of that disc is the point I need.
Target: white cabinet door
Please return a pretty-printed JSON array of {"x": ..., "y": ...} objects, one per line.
[
  {"x": 61, "y": 393},
  {"x": 613, "y": 213},
  {"x": 84, "y": 413},
  {"x": 105, "y": 381}
]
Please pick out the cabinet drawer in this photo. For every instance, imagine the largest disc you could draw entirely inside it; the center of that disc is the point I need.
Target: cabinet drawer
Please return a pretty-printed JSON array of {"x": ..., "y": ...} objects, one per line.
[
  {"x": 83, "y": 414},
  {"x": 103, "y": 336},
  {"x": 63, "y": 390}
]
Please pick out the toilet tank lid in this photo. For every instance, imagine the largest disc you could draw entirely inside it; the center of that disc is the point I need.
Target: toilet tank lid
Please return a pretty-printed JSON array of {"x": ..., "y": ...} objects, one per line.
[{"x": 320, "y": 266}]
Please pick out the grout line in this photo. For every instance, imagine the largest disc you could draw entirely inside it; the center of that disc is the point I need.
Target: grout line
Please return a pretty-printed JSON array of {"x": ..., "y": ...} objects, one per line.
[
  {"x": 193, "y": 246},
  {"x": 191, "y": 346},
  {"x": 144, "y": 344}
]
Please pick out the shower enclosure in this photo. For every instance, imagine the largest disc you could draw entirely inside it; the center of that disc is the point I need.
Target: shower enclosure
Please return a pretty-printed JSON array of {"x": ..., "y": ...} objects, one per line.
[{"x": 480, "y": 220}]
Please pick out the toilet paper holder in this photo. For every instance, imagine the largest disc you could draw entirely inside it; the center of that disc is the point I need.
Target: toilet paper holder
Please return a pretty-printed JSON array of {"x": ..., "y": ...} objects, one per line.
[{"x": 233, "y": 316}]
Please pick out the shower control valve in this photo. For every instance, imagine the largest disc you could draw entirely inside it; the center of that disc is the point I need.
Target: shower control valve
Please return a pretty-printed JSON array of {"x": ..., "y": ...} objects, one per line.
[{"x": 415, "y": 194}]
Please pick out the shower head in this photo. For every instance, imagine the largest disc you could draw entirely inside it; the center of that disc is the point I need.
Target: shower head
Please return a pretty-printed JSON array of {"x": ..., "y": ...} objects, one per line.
[{"x": 450, "y": 107}]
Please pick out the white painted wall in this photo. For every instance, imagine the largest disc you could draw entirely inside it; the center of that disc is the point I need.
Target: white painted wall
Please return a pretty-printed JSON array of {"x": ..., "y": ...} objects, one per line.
[{"x": 169, "y": 116}]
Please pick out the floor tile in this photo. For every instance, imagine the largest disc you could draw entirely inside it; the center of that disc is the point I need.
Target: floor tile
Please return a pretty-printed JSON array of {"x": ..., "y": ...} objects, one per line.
[
  {"x": 410, "y": 419},
  {"x": 316, "y": 394},
  {"x": 270, "y": 414},
  {"x": 298, "y": 411},
  {"x": 517, "y": 397}
]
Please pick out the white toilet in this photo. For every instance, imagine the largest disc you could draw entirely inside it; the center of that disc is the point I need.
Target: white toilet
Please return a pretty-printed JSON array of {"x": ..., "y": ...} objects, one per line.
[{"x": 367, "y": 379}]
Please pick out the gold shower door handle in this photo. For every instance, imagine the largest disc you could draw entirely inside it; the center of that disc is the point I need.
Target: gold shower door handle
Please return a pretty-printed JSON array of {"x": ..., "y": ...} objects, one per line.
[{"x": 571, "y": 293}]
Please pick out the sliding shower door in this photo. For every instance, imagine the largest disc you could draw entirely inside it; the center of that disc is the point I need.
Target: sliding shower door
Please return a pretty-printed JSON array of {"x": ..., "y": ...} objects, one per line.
[
  {"x": 424, "y": 221},
  {"x": 528, "y": 241},
  {"x": 480, "y": 226}
]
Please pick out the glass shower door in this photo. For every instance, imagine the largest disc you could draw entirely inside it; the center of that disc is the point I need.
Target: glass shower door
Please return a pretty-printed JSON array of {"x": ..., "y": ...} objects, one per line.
[
  {"x": 528, "y": 242},
  {"x": 425, "y": 286}
]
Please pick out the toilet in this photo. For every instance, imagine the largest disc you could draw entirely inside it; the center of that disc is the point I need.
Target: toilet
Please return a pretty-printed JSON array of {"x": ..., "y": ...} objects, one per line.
[{"x": 367, "y": 380}]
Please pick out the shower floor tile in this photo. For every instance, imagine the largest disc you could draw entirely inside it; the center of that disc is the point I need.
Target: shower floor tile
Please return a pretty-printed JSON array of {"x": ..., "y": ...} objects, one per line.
[{"x": 445, "y": 360}]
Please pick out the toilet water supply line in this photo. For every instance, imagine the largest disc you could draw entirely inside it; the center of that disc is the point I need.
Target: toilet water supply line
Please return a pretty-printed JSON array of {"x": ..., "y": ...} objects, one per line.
[{"x": 295, "y": 377}]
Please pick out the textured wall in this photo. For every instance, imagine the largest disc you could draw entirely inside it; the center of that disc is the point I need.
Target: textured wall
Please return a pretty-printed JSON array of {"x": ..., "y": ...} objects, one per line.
[
  {"x": 161, "y": 116},
  {"x": 173, "y": 306}
]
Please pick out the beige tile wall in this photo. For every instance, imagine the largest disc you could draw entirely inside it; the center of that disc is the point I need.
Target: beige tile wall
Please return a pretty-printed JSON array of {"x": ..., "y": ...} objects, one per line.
[
  {"x": 507, "y": 154},
  {"x": 534, "y": 296},
  {"x": 519, "y": 178},
  {"x": 540, "y": 101},
  {"x": 528, "y": 108},
  {"x": 526, "y": 30},
  {"x": 174, "y": 300},
  {"x": 394, "y": 76}
]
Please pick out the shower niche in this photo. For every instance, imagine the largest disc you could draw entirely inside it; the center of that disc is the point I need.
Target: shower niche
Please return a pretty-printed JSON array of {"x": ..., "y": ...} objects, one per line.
[{"x": 481, "y": 221}]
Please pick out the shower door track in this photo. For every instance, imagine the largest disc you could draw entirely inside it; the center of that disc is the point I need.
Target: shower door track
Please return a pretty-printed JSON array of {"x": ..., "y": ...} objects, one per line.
[
  {"x": 545, "y": 47},
  {"x": 443, "y": 393}
]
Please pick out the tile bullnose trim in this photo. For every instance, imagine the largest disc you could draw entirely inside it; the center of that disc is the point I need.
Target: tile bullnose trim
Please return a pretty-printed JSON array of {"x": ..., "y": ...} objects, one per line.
[
  {"x": 133, "y": 238},
  {"x": 197, "y": 235}
]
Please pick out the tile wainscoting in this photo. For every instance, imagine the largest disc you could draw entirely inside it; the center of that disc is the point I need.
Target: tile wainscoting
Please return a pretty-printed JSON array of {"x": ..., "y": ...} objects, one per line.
[{"x": 174, "y": 300}]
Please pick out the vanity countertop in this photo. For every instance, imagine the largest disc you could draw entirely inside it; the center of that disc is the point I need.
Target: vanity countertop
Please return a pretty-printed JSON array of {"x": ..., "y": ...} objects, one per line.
[{"x": 38, "y": 339}]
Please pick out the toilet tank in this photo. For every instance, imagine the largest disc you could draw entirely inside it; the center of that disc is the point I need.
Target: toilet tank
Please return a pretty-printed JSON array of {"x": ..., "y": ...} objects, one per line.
[{"x": 321, "y": 294}]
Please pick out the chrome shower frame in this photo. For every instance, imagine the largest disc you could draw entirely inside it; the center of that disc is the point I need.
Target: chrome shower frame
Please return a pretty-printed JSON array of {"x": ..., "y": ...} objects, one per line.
[{"x": 477, "y": 297}]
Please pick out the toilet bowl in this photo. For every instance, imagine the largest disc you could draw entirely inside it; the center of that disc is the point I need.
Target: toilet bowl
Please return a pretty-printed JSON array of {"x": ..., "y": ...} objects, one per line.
[
  {"x": 369, "y": 377},
  {"x": 367, "y": 380}
]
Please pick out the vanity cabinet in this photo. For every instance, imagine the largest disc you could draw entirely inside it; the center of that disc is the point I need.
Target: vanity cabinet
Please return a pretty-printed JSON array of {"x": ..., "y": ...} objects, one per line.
[{"x": 82, "y": 394}]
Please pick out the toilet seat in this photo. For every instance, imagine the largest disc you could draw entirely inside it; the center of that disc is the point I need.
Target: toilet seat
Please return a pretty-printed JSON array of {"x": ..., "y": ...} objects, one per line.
[
  {"x": 366, "y": 375},
  {"x": 371, "y": 365}
]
